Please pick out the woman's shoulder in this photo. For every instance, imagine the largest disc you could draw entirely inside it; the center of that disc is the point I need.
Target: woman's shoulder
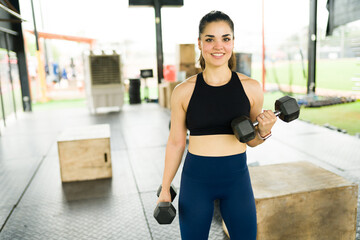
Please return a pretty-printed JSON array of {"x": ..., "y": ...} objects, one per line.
[
  {"x": 183, "y": 91},
  {"x": 252, "y": 88},
  {"x": 249, "y": 83},
  {"x": 185, "y": 87}
]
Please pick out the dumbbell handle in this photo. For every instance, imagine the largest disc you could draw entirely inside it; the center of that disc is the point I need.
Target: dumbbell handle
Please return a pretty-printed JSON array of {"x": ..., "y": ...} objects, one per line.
[{"x": 277, "y": 113}]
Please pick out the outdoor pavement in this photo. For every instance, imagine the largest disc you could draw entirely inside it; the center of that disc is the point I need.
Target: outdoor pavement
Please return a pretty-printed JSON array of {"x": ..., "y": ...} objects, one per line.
[{"x": 34, "y": 204}]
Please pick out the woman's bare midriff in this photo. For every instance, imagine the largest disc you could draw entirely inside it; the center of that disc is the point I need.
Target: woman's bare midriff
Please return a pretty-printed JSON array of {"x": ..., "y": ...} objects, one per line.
[{"x": 215, "y": 145}]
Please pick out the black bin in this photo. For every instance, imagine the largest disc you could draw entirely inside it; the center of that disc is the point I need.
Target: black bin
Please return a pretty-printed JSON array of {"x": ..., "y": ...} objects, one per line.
[{"x": 134, "y": 91}]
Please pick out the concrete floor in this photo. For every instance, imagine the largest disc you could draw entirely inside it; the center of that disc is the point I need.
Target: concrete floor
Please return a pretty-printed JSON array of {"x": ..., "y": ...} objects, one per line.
[{"x": 35, "y": 204}]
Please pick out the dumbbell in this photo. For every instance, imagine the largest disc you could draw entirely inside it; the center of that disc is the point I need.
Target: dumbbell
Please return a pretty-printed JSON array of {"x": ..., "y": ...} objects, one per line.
[
  {"x": 165, "y": 212},
  {"x": 286, "y": 108}
]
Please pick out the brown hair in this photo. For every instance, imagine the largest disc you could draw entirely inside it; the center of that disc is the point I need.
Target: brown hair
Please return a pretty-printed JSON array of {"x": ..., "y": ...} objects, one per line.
[{"x": 216, "y": 16}]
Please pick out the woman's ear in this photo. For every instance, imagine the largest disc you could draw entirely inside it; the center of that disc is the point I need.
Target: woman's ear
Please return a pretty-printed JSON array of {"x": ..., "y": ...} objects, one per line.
[{"x": 199, "y": 44}]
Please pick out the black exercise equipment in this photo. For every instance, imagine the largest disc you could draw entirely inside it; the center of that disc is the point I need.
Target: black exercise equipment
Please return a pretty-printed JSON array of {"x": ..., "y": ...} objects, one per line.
[
  {"x": 286, "y": 108},
  {"x": 134, "y": 91},
  {"x": 173, "y": 192},
  {"x": 165, "y": 212}
]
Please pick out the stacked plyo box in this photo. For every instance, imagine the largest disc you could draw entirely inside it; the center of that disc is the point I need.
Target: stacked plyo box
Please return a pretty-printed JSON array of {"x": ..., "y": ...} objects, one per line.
[
  {"x": 162, "y": 94},
  {"x": 186, "y": 63},
  {"x": 165, "y": 91},
  {"x": 186, "y": 59}
]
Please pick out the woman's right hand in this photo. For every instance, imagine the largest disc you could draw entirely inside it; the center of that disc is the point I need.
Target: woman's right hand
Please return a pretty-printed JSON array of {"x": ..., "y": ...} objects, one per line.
[{"x": 164, "y": 196}]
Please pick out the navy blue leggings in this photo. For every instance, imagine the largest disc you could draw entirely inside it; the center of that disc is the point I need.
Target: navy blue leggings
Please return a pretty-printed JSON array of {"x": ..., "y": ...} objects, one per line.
[{"x": 205, "y": 179}]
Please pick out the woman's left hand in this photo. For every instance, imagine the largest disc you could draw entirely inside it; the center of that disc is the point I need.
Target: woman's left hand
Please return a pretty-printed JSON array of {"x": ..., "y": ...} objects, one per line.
[{"x": 266, "y": 121}]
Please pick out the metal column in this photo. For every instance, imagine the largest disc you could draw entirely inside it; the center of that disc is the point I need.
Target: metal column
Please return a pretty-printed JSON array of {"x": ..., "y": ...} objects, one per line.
[
  {"x": 312, "y": 48},
  {"x": 159, "y": 47}
]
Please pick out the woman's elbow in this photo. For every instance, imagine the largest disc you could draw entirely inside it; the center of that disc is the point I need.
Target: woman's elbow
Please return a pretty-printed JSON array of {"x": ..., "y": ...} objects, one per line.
[{"x": 179, "y": 143}]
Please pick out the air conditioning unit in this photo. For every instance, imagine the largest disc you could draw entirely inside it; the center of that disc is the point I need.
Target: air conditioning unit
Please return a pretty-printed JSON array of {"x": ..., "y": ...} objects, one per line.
[{"x": 103, "y": 82}]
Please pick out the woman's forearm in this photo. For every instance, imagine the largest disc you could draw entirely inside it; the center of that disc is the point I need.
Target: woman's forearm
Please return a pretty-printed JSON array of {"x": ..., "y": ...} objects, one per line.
[{"x": 173, "y": 156}]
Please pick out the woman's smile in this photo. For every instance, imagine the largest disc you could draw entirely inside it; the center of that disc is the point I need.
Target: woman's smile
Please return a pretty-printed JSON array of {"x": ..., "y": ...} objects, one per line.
[{"x": 217, "y": 55}]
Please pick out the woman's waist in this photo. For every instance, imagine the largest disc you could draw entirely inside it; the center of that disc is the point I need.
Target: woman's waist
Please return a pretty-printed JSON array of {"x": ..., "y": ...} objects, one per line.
[
  {"x": 207, "y": 167},
  {"x": 215, "y": 145}
]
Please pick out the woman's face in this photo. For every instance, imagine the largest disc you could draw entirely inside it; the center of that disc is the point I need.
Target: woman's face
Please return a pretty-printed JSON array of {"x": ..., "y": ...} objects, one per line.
[{"x": 216, "y": 43}]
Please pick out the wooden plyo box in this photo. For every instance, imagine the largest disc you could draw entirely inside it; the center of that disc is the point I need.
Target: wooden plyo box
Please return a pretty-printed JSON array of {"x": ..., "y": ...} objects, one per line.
[
  {"x": 185, "y": 54},
  {"x": 189, "y": 68},
  {"x": 84, "y": 153},
  {"x": 165, "y": 91},
  {"x": 162, "y": 94},
  {"x": 302, "y": 201}
]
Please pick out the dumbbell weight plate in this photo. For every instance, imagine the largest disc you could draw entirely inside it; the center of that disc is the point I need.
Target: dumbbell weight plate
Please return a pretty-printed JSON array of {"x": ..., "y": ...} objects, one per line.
[
  {"x": 164, "y": 213},
  {"x": 243, "y": 129},
  {"x": 288, "y": 107}
]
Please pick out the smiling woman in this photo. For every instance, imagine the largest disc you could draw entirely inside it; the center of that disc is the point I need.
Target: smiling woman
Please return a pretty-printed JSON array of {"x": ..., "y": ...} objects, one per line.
[{"x": 215, "y": 164}]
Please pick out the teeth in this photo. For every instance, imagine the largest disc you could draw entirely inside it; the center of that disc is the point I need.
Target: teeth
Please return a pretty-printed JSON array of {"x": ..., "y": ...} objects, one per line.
[{"x": 217, "y": 54}]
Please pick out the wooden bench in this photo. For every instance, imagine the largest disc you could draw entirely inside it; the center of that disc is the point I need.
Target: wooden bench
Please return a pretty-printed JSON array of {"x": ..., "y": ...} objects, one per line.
[
  {"x": 84, "y": 153},
  {"x": 302, "y": 201}
]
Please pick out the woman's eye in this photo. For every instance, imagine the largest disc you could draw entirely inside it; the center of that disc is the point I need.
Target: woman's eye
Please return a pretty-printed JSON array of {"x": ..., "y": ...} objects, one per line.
[
  {"x": 226, "y": 39},
  {"x": 208, "y": 40}
]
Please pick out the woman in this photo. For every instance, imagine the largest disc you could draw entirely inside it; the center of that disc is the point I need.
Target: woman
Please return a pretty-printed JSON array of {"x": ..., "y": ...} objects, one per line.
[{"x": 215, "y": 164}]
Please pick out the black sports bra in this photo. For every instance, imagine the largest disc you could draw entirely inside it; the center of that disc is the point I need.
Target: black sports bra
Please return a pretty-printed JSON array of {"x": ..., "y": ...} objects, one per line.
[{"x": 212, "y": 108}]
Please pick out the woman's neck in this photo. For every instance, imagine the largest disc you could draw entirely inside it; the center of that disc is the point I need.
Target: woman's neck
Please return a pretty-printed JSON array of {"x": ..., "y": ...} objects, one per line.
[{"x": 217, "y": 76}]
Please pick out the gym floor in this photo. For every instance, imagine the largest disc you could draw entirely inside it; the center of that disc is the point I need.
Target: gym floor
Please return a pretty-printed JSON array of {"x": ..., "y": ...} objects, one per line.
[{"x": 35, "y": 204}]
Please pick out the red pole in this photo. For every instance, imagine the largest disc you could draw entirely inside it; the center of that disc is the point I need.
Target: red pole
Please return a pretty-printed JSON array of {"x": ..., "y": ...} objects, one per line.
[{"x": 263, "y": 49}]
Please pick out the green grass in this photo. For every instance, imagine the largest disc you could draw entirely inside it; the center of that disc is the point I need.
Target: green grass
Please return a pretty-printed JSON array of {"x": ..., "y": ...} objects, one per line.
[
  {"x": 80, "y": 103},
  {"x": 59, "y": 104},
  {"x": 330, "y": 74},
  {"x": 345, "y": 116}
]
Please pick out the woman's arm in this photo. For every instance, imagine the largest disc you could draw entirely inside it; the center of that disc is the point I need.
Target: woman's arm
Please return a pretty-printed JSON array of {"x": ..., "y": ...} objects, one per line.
[
  {"x": 256, "y": 97},
  {"x": 177, "y": 138}
]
